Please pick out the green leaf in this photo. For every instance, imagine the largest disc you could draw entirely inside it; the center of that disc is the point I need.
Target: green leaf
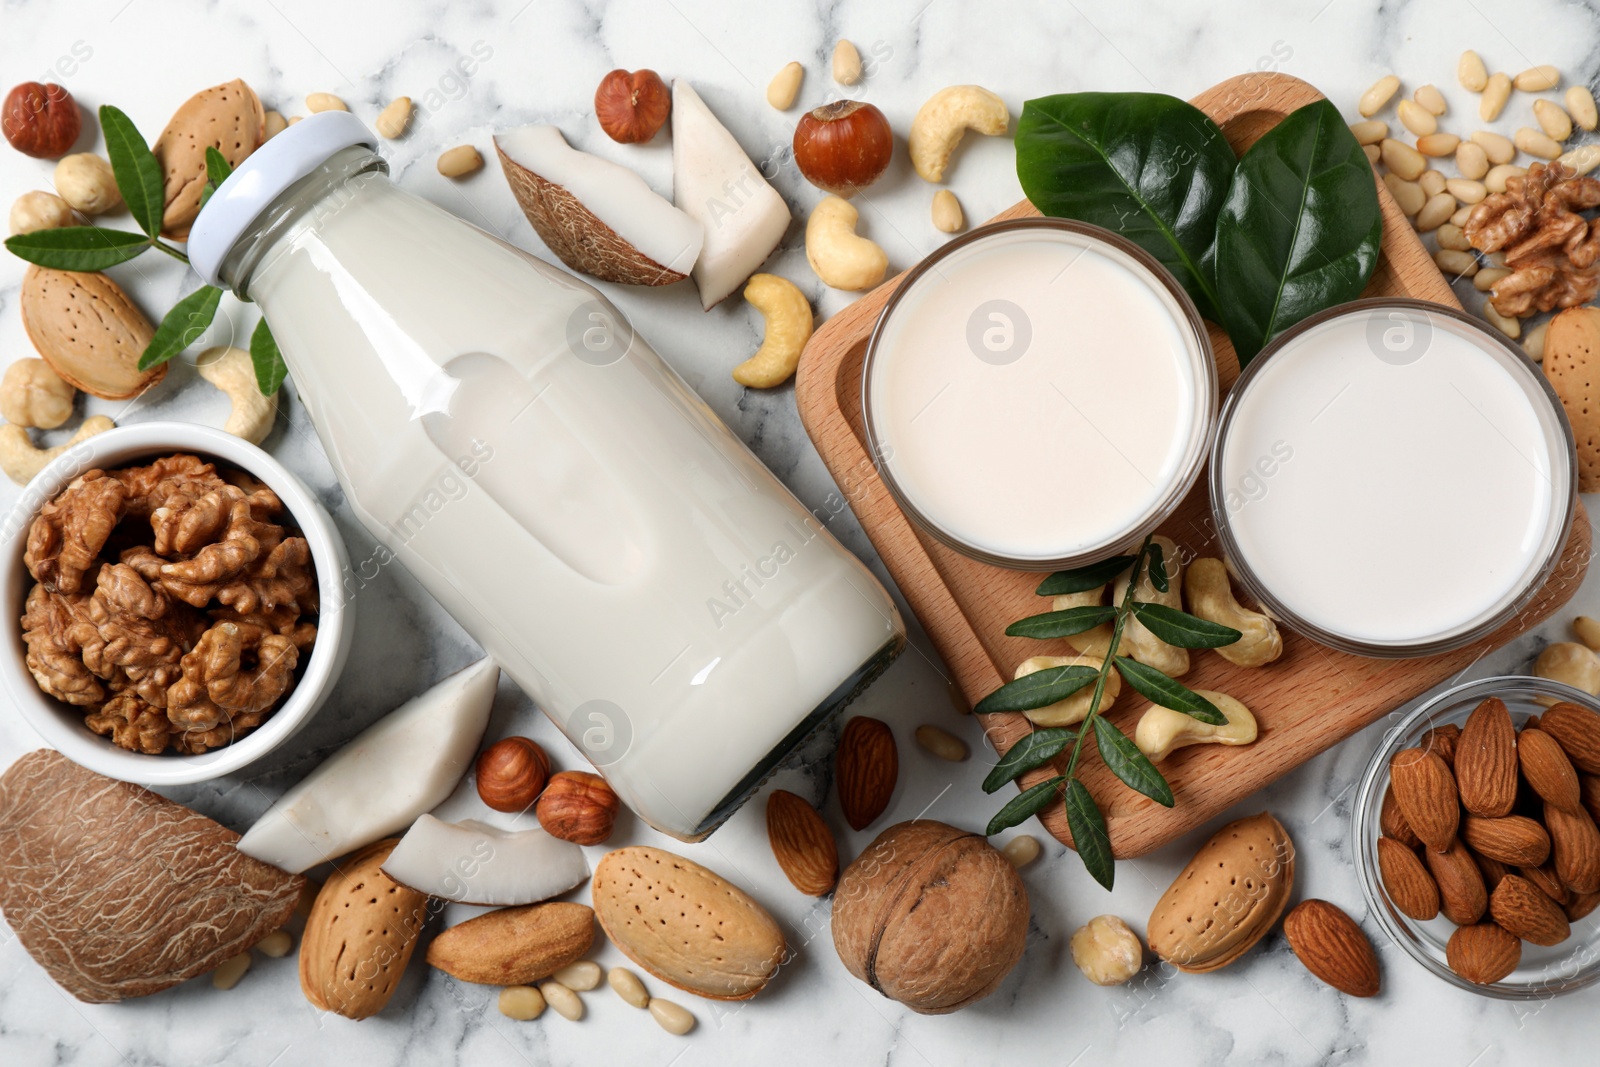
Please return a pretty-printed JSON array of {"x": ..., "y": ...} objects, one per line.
[
  {"x": 1148, "y": 166},
  {"x": 183, "y": 325},
  {"x": 264, "y": 355},
  {"x": 1061, "y": 623},
  {"x": 1300, "y": 228},
  {"x": 1035, "y": 750},
  {"x": 1129, "y": 764},
  {"x": 1025, "y": 805},
  {"x": 1159, "y": 689},
  {"x": 1089, "y": 835},
  {"x": 217, "y": 171},
  {"x": 138, "y": 175},
  {"x": 1158, "y": 569},
  {"x": 78, "y": 247},
  {"x": 1039, "y": 689},
  {"x": 1182, "y": 629},
  {"x": 1084, "y": 579}
]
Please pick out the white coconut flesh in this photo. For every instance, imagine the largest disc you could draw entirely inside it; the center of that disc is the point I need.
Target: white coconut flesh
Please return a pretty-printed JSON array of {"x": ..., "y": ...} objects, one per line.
[{"x": 469, "y": 862}]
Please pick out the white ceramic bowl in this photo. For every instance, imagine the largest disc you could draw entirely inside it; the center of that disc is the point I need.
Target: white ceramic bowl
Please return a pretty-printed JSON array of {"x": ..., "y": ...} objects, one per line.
[{"x": 61, "y": 725}]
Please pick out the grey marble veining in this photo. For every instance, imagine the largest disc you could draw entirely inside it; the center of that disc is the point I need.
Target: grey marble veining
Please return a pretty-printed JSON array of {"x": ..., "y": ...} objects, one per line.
[{"x": 477, "y": 67}]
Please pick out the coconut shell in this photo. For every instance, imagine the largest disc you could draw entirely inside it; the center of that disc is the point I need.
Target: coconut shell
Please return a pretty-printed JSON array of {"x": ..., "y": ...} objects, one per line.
[
  {"x": 931, "y": 916},
  {"x": 117, "y": 892}
]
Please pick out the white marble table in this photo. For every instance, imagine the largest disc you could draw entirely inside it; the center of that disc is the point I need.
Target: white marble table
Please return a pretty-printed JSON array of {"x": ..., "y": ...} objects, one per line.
[{"x": 476, "y": 68}]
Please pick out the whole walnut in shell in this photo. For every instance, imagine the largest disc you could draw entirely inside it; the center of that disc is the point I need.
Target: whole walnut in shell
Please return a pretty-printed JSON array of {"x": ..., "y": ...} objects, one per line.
[{"x": 931, "y": 916}]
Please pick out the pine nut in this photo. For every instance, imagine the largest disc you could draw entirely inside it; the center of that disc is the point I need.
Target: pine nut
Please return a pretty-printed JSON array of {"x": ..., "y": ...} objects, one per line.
[
  {"x": 1373, "y": 99},
  {"x": 1535, "y": 143},
  {"x": 1533, "y": 344},
  {"x": 1460, "y": 217},
  {"x": 1450, "y": 236},
  {"x": 276, "y": 944},
  {"x": 1581, "y": 160},
  {"x": 294, "y": 119},
  {"x": 1402, "y": 159},
  {"x": 459, "y": 161},
  {"x": 947, "y": 216},
  {"x": 1372, "y": 153},
  {"x": 1471, "y": 160},
  {"x": 324, "y": 102},
  {"x": 567, "y": 1004},
  {"x": 1587, "y": 629},
  {"x": 628, "y": 987},
  {"x": 1431, "y": 99},
  {"x": 1021, "y": 850},
  {"x": 1511, "y": 327},
  {"x": 941, "y": 743},
  {"x": 1417, "y": 119},
  {"x": 846, "y": 63},
  {"x": 1496, "y": 146},
  {"x": 1466, "y": 190},
  {"x": 521, "y": 1002},
  {"x": 1580, "y": 104},
  {"x": 1486, "y": 277},
  {"x": 674, "y": 1018},
  {"x": 581, "y": 976},
  {"x": 1438, "y": 144},
  {"x": 274, "y": 125},
  {"x": 1495, "y": 180},
  {"x": 1552, "y": 120},
  {"x": 393, "y": 120},
  {"x": 1409, "y": 195},
  {"x": 1369, "y": 132},
  {"x": 1540, "y": 79},
  {"x": 1471, "y": 72},
  {"x": 1495, "y": 95},
  {"x": 1455, "y": 263},
  {"x": 1436, "y": 212},
  {"x": 228, "y": 973},
  {"x": 1432, "y": 182},
  {"x": 785, "y": 86}
]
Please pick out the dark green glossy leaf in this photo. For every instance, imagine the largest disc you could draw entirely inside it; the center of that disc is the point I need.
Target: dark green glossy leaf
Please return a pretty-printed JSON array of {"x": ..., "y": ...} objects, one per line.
[
  {"x": 139, "y": 177},
  {"x": 1148, "y": 166},
  {"x": 1158, "y": 568},
  {"x": 1084, "y": 579},
  {"x": 78, "y": 247},
  {"x": 1039, "y": 689},
  {"x": 1025, "y": 805},
  {"x": 1129, "y": 764},
  {"x": 1182, "y": 629},
  {"x": 217, "y": 170},
  {"x": 270, "y": 368},
  {"x": 183, "y": 325},
  {"x": 1159, "y": 689},
  {"x": 1089, "y": 835},
  {"x": 1061, "y": 623},
  {"x": 1300, "y": 228},
  {"x": 1035, "y": 750}
]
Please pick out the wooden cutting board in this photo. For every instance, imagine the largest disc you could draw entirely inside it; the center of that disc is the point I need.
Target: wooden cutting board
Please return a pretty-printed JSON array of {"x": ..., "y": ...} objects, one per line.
[{"x": 1309, "y": 700}]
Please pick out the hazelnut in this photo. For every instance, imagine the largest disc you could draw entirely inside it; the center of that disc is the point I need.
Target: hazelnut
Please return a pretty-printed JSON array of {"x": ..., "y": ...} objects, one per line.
[
  {"x": 512, "y": 773},
  {"x": 41, "y": 121},
  {"x": 843, "y": 147},
  {"x": 632, "y": 106},
  {"x": 579, "y": 807},
  {"x": 86, "y": 182},
  {"x": 39, "y": 210},
  {"x": 1107, "y": 951}
]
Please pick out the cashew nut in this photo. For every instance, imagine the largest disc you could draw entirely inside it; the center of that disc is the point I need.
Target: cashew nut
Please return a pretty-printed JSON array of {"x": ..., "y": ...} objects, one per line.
[
  {"x": 788, "y": 316},
  {"x": 1571, "y": 663},
  {"x": 85, "y": 181},
  {"x": 1137, "y": 640},
  {"x": 22, "y": 461},
  {"x": 39, "y": 210},
  {"x": 1163, "y": 730},
  {"x": 1095, "y": 642},
  {"x": 842, "y": 258},
  {"x": 1107, "y": 951},
  {"x": 33, "y": 394},
  {"x": 941, "y": 122},
  {"x": 230, "y": 370},
  {"x": 1210, "y": 597},
  {"x": 1076, "y": 707}
]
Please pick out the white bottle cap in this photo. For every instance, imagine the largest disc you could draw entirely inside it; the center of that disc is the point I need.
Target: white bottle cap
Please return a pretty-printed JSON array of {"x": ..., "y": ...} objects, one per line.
[{"x": 256, "y": 183}]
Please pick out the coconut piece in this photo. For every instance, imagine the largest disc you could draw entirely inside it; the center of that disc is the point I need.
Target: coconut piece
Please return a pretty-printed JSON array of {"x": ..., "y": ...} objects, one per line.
[
  {"x": 599, "y": 217},
  {"x": 470, "y": 862},
  {"x": 393, "y": 771},
  {"x": 118, "y": 892},
  {"x": 715, "y": 182}
]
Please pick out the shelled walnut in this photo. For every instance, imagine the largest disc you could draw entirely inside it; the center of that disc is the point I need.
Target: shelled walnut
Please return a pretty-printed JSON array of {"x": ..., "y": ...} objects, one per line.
[
  {"x": 1553, "y": 252},
  {"x": 171, "y": 603}
]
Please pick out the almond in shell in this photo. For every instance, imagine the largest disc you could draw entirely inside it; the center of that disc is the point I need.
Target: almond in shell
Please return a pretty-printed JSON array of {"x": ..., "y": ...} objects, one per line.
[
  {"x": 1519, "y": 906},
  {"x": 1578, "y": 731},
  {"x": 1483, "y": 953},
  {"x": 1333, "y": 947},
  {"x": 1462, "y": 895},
  {"x": 1486, "y": 760},
  {"x": 514, "y": 946},
  {"x": 1547, "y": 770},
  {"x": 1514, "y": 839},
  {"x": 867, "y": 765},
  {"x": 359, "y": 936},
  {"x": 687, "y": 925},
  {"x": 1574, "y": 848},
  {"x": 87, "y": 329},
  {"x": 1426, "y": 792},
  {"x": 227, "y": 117},
  {"x": 802, "y": 843},
  {"x": 1409, "y": 885}
]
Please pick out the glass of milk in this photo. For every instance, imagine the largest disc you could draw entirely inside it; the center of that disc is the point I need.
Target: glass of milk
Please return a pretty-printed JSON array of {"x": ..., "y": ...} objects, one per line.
[
  {"x": 503, "y": 433},
  {"x": 1039, "y": 393},
  {"x": 1392, "y": 478}
]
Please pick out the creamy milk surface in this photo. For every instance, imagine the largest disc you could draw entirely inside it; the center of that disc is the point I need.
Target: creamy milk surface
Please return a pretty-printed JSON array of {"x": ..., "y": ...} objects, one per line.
[
  {"x": 1034, "y": 394},
  {"x": 1391, "y": 478}
]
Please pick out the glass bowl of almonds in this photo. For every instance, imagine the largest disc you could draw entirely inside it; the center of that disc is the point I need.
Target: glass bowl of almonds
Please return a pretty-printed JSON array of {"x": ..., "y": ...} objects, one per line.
[{"x": 1475, "y": 837}]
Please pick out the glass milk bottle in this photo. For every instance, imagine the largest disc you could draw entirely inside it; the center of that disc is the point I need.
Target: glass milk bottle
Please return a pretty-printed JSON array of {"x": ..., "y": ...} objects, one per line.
[{"x": 499, "y": 428}]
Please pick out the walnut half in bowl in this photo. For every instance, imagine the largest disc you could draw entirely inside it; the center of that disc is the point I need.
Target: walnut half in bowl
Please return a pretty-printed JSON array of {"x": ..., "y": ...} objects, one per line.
[{"x": 180, "y": 603}]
